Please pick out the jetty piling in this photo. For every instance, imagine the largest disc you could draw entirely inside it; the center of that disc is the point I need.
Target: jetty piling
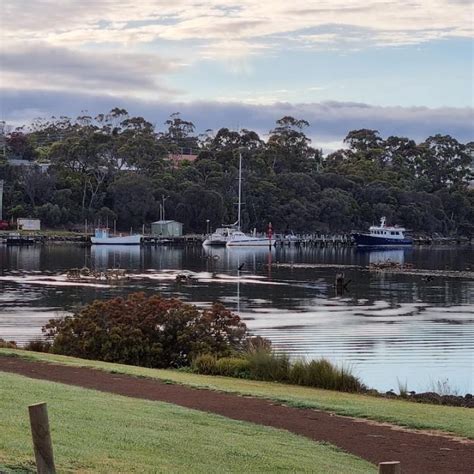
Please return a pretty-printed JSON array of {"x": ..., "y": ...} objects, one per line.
[
  {"x": 41, "y": 435},
  {"x": 390, "y": 467}
]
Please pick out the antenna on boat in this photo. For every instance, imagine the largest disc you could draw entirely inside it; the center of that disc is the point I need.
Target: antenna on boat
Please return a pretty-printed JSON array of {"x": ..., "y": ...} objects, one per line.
[{"x": 240, "y": 190}]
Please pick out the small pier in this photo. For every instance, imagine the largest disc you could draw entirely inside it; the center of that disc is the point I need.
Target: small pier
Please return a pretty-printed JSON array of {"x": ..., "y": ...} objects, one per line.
[
  {"x": 315, "y": 240},
  {"x": 182, "y": 241}
]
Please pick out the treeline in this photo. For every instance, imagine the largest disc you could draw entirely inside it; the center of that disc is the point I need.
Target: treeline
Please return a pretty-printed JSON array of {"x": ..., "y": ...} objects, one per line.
[{"x": 117, "y": 167}]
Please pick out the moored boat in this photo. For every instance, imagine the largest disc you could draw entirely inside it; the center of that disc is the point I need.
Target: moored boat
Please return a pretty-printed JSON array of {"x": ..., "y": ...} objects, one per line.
[
  {"x": 102, "y": 237},
  {"x": 239, "y": 239},
  {"x": 220, "y": 236},
  {"x": 382, "y": 235}
]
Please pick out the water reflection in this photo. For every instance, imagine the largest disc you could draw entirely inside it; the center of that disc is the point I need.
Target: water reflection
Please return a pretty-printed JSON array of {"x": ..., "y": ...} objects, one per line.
[
  {"x": 245, "y": 259},
  {"x": 387, "y": 255},
  {"x": 387, "y": 326},
  {"x": 103, "y": 257},
  {"x": 22, "y": 258}
]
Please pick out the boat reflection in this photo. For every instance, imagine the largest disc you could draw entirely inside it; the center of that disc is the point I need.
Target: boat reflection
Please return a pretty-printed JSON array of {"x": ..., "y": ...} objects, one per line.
[
  {"x": 115, "y": 256},
  {"x": 388, "y": 255},
  {"x": 238, "y": 258}
]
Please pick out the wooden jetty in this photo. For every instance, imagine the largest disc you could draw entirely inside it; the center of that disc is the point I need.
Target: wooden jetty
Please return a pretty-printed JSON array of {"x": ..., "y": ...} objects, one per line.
[{"x": 315, "y": 240}]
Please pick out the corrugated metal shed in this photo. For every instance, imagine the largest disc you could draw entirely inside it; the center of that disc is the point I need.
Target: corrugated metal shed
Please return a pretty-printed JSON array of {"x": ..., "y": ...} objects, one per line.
[{"x": 167, "y": 229}]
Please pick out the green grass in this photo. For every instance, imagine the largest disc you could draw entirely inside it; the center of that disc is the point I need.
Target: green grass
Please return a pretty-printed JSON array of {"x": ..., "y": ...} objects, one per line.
[
  {"x": 459, "y": 421},
  {"x": 99, "y": 432}
]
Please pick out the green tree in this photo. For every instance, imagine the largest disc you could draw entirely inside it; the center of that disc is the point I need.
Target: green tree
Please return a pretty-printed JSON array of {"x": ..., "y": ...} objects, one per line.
[{"x": 133, "y": 200}]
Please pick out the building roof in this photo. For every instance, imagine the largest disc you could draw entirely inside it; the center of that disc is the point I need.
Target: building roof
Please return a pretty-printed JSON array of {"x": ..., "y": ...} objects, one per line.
[{"x": 166, "y": 222}]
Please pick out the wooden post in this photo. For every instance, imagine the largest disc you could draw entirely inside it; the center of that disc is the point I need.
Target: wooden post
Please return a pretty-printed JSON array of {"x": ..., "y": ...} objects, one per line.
[
  {"x": 390, "y": 467},
  {"x": 339, "y": 284},
  {"x": 41, "y": 438}
]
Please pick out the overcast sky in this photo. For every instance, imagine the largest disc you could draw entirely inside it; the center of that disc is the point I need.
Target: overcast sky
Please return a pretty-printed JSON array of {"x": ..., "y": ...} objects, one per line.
[{"x": 403, "y": 67}]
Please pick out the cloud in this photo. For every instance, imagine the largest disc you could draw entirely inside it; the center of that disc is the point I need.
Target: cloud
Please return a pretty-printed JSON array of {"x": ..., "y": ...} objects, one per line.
[
  {"x": 385, "y": 22},
  {"x": 330, "y": 121},
  {"x": 54, "y": 68}
]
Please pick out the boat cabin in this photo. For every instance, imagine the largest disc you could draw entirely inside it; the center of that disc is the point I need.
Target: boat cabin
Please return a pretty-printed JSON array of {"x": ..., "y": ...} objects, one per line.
[
  {"x": 101, "y": 233},
  {"x": 384, "y": 231}
]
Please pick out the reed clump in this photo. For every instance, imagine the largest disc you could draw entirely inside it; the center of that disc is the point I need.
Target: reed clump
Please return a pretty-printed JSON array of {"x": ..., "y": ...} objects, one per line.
[
  {"x": 7, "y": 344},
  {"x": 263, "y": 364},
  {"x": 38, "y": 345},
  {"x": 208, "y": 364}
]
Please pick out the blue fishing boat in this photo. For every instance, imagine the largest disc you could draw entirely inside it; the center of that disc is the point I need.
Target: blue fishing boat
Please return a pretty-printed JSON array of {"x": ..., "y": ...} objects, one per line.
[{"x": 382, "y": 235}]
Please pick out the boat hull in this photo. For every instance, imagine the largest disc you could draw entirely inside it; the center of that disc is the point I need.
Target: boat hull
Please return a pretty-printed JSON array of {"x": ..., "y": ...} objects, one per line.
[
  {"x": 366, "y": 240},
  {"x": 215, "y": 242},
  {"x": 251, "y": 243},
  {"x": 125, "y": 240}
]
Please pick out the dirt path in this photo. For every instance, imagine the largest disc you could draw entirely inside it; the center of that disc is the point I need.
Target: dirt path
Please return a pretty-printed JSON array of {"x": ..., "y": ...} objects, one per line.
[{"x": 419, "y": 453}]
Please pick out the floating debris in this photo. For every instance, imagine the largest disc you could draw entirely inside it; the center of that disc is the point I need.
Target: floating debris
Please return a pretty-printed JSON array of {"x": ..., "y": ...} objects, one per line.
[
  {"x": 385, "y": 267},
  {"x": 86, "y": 274},
  {"x": 390, "y": 265},
  {"x": 312, "y": 265}
]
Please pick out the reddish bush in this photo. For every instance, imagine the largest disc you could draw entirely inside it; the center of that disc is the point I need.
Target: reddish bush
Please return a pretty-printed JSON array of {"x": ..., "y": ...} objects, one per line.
[
  {"x": 146, "y": 331},
  {"x": 7, "y": 344}
]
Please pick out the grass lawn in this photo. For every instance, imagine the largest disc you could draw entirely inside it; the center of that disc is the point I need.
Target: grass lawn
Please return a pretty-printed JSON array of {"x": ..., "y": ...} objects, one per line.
[
  {"x": 99, "y": 432},
  {"x": 459, "y": 421}
]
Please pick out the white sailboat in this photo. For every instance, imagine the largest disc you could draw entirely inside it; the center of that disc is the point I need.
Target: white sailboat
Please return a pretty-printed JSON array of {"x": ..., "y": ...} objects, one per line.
[
  {"x": 239, "y": 238},
  {"x": 220, "y": 236}
]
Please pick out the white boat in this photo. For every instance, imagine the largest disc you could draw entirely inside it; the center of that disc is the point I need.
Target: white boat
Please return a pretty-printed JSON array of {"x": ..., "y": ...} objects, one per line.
[
  {"x": 102, "y": 237},
  {"x": 239, "y": 239},
  {"x": 220, "y": 237}
]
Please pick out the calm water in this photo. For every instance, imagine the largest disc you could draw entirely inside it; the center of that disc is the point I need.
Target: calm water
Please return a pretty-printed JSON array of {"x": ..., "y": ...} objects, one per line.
[{"x": 387, "y": 327}]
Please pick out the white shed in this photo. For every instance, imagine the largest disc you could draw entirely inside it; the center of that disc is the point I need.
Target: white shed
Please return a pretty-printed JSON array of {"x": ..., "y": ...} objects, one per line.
[{"x": 28, "y": 224}]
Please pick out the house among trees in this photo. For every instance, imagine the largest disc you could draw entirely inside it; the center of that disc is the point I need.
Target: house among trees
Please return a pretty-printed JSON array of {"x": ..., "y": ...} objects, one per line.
[{"x": 181, "y": 155}]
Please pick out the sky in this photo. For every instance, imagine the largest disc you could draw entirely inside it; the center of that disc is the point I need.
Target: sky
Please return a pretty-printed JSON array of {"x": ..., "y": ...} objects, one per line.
[{"x": 403, "y": 67}]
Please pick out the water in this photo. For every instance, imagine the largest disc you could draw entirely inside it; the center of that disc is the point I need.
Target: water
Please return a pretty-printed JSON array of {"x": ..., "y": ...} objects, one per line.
[{"x": 388, "y": 327}]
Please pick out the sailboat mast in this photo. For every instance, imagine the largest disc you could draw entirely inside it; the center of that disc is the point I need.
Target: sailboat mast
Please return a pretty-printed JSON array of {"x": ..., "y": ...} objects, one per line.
[{"x": 240, "y": 190}]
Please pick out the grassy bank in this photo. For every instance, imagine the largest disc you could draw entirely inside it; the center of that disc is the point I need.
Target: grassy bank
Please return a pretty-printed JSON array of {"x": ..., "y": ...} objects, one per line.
[
  {"x": 459, "y": 421},
  {"x": 98, "y": 432}
]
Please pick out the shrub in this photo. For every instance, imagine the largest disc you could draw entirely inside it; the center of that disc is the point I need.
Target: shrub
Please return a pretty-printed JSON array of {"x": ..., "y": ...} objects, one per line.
[
  {"x": 297, "y": 374},
  {"x": 323, "y": 374},
  {"x": 147, "y": 331},
  {"x": 205, "y": 364},
  {"x": 233, "y": 367},
  {"x": 38, "y": 345},
  {"x": 257, "y": 343},
  {"x": 266, "y": 365},
  {"x": 7, "y": 344},
  {"x": 348, "y": 382},
  {"x": 228, "y": 366}
]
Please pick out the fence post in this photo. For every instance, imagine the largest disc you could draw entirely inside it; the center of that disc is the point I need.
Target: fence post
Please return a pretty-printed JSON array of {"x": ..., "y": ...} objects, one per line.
[
  {"x": 390, "y": 467},
  {"x": 41, "y": 438}
]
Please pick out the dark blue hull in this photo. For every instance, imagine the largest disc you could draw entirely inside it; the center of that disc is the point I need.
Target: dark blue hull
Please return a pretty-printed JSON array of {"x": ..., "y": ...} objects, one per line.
[{"x": 366, "y": 240}]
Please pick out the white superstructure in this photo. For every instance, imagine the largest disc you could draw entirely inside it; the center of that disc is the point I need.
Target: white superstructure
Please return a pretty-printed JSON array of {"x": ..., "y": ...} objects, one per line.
[
  {"x": 387, "y": 232},
  {"x": 102, "y": 237},
  {"x": 239, "y": 239},
  {"x": 220, "y": 237}
]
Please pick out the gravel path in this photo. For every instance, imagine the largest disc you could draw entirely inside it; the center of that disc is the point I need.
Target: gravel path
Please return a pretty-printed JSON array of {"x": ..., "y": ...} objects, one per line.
[{"x": 419, "y": 452}]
